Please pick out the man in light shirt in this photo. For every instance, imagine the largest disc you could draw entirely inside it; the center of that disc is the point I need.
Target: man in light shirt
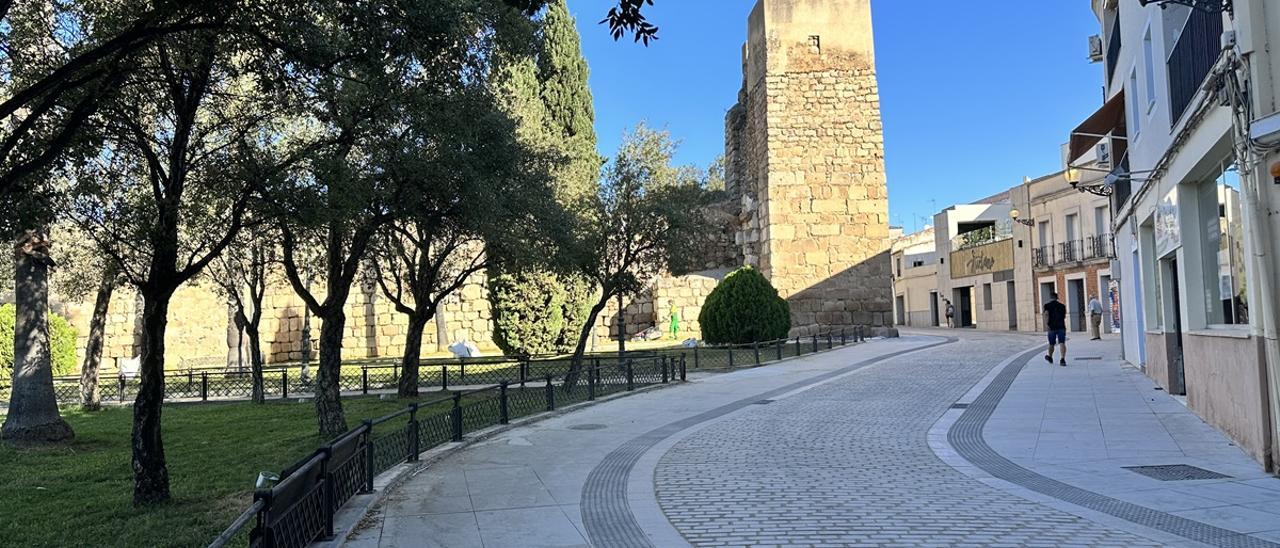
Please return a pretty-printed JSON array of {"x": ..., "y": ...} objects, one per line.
[{"x": 1095, "y": 317}]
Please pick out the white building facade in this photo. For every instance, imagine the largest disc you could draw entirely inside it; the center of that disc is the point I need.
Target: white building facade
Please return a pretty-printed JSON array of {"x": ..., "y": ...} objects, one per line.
[{"x": 1193, "y": 201}]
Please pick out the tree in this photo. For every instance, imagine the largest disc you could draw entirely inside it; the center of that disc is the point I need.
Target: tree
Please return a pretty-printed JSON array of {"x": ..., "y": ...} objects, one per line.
[
  {"x": 83, "y": 270},
  {"x": 478, "y": 198},
  {"x": 536, "y": 310},
  {"x": 33, "y": 408},
  {"x": 379, "y": 104},
  {"x": 168, "y": 192},
  {"x": 241, "y": 276},
  {"x": 52, "y": 97},
  {"x": 646, "y": 211}
]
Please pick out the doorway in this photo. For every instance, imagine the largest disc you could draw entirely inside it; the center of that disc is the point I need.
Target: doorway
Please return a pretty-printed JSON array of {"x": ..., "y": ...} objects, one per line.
[
  {"x": 1104, "y": 297},
  {"x": 963, "y": 299},
  {"x": 901, "y": 304},
  {"x": 1075, "y": 305},
  {"x": 1177, "y": 373},
  {"x": 1011, "y": 300},
  {"x": 933, "y": 308}
]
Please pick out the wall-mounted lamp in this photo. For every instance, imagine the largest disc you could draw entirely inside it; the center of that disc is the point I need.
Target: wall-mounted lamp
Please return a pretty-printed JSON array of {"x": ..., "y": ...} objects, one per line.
[{"x": 1013, "y": 214}]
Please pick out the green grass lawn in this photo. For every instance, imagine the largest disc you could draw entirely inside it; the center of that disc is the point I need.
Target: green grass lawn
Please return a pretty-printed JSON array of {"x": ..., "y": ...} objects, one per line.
[{"x": 79, "y": 494}]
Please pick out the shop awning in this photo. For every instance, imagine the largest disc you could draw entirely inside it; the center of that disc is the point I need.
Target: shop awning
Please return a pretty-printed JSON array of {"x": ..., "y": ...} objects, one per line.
[{"x": 1107, "y": 120}]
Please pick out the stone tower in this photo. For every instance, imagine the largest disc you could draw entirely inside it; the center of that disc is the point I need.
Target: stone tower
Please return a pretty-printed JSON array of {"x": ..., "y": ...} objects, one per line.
[{"x": 804, "y": 153}]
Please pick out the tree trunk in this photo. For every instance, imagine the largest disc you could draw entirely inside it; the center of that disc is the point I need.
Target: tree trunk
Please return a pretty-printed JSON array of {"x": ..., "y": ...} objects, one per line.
[
  {"x": 255, "y": 362},
  {"x": 412, "y": 356},
  {"x": 33, "y": 406},
  {"x": 150, "y": 474},
  {"x": 90, "y": 398},
  {"x": 575, "y": 365},
  {"x": 333, "y": 421}
]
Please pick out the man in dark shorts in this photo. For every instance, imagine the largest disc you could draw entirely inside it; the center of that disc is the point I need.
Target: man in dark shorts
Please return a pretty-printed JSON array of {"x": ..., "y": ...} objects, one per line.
[{"x": 1055, "y": 322}]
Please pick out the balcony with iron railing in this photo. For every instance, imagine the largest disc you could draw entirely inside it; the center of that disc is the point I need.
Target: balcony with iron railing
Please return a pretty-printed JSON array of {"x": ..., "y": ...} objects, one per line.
[
  {"x": 1071, "y": 251},
  {"x": 1042, "y": 257},
  {"x": 1100, "y": 246},
  {"x": 1192, "y": 59}
]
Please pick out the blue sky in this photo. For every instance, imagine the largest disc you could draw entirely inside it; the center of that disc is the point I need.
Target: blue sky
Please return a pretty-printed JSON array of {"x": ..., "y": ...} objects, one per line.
[{"x": 974, "y": 95}]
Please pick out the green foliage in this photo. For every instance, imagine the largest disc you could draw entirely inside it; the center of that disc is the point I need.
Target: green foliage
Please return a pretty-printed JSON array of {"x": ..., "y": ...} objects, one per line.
[
  {"x": 744, "y": 308},
  {"x": 548, "y": 96},
  {"x": 528, "y": 311},
  {"x": 62, "y": 343}
]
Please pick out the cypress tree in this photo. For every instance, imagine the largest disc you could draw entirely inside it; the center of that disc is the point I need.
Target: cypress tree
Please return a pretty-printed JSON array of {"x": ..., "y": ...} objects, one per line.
[{"x": 538, "y": 312}]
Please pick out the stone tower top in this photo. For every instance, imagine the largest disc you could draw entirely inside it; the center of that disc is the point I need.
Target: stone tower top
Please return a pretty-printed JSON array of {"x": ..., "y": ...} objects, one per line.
[{"x": 808, "y": 35}]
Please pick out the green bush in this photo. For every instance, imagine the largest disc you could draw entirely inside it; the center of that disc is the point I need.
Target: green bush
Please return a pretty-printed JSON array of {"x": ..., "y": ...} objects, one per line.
[
  {"x": 744, "y": 308},
  {"x": 528, "y": 312},
  {"x": 62, "y": 338}
]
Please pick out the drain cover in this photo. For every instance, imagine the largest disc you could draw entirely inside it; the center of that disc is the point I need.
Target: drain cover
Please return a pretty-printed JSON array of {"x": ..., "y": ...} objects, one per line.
[
  {"x": 588, "y": 427},
  {"x": 1176, "y": 472},
  {"x": 959, "y": 406},
  {"x": 763, "y": 402},
  {"x": 1083, "y": 358}
]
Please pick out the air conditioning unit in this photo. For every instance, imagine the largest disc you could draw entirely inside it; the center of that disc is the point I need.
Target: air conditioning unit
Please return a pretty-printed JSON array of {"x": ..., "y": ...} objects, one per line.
[
  {"x": 1095, "y": 49},
  {"x": 1104, "y": 155}
]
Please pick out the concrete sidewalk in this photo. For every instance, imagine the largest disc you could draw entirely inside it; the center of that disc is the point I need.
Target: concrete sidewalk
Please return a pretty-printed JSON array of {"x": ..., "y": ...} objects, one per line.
[{"x": 1086, "y": 424}]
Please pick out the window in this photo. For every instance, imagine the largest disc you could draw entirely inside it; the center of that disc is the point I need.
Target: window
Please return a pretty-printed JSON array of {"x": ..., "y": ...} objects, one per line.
[
  {"x": 1149, "y": 63},
  {"x": 1223, "y": 252},
  {"x": 1073, "y": 225},
  {"x": 899, "y": 265},
  {"x": 986, "y": 296},
  {"x": 1135, "y": 123},
  {"x": 1101, "y": 221},
  {"x": 917, "y": 263},
  {"x": 1046, "y": 237}
]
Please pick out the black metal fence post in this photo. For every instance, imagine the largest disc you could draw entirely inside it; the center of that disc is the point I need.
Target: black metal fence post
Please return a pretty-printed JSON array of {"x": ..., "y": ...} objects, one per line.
[
  {"x": 778, "y": 344},
  {"x": 368, "y": 457},
  {"x": 683, "y": 370},
  {"x": 284, "y": 384},
  {"x": 462, "y": 369},
  {"x": 828, "y": 340},
  {"x": 204, "y": 386},
  {"x": 330, "y": 498},
  {"x": 591, "y": 381},
  {"x": 815, "y": 343},
  {"x": 524, "y": 371},
  {"x": 631, "y": 379},
  {"x": 504, "y": 413},
  {"x": 755, "y": 348},
  {"x": 798, "y": 351},
  {"x": 364, "y": 379},
  {"x": 551, "y": 395},
  {"x": 664, "y": 370},
  {"x": 444, "y": 376},
  {"x": 413, "y": 433},
  {"x": 455, "y": 415},
  {"x": 730, "y": 356},
  {"x": 695, "y": 356},
  {"x": 842, "y": 336}
]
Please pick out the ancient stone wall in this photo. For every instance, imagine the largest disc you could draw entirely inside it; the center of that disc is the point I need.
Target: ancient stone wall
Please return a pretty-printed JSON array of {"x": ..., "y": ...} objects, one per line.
[{"x": 812, "y": 185}]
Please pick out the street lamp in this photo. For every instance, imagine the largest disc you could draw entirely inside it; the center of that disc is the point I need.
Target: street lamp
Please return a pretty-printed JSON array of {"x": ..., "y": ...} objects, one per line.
[{"x": 1014, "y": 214}]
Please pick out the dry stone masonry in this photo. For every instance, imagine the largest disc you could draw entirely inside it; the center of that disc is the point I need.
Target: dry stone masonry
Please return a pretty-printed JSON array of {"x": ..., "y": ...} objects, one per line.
[{"x": 804, "y": 152}]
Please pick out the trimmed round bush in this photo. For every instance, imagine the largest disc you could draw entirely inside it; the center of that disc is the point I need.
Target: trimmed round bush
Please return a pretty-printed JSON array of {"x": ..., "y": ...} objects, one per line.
[
  {"x": 62, "y": 343},
  {"x": 744, "y": 308}
]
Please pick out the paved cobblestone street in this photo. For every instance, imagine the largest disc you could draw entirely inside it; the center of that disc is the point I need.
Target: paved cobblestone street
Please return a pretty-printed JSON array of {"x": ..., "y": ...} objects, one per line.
[
  {"x": 848, "y": 463},
  {"x": 849, "y": 448}
]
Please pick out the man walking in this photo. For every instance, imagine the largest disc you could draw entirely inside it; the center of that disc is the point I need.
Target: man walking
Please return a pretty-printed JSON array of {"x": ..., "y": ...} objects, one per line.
[
  {"x": 1055, "y": 322},
  {"x": 951, "y": 313},
  {"x": 1095, "y": 317}
]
